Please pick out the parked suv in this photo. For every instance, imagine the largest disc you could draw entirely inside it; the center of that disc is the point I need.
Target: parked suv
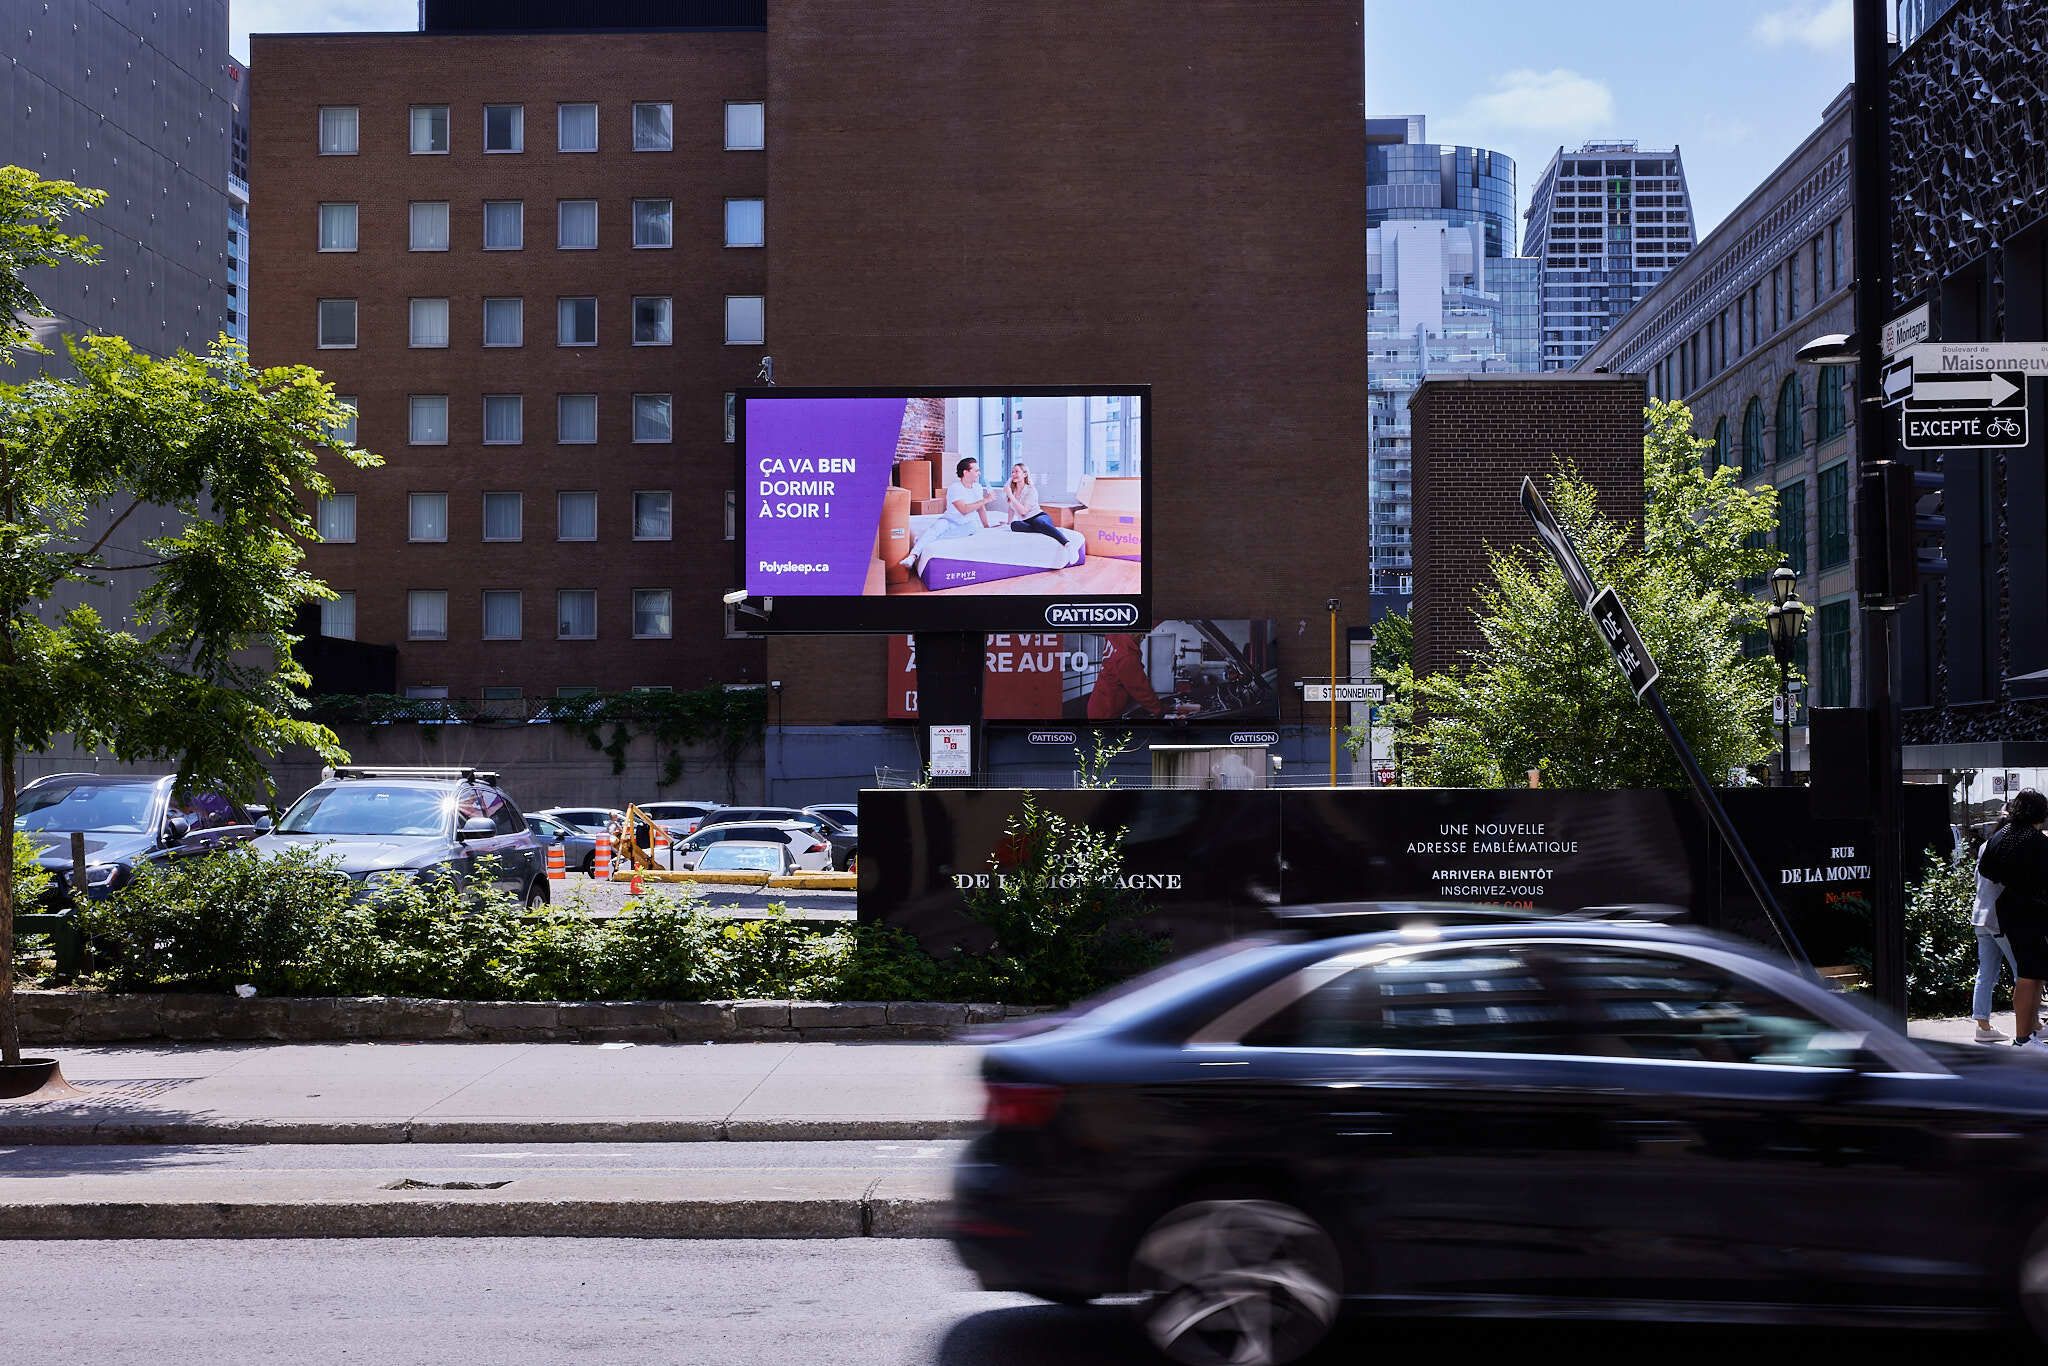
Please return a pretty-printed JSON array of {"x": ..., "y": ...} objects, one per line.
[
  {"x": 417, "y": 823},
  {"x": 844, "y": 843},
  {"x": 127, "y": 821},
  {"x": 805, "y": 840}
]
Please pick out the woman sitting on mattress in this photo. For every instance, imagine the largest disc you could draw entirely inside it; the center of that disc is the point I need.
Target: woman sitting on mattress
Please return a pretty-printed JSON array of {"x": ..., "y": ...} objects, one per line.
[
  {"x": 1025, "y": 513},
  {"x": 965, "y": 501}
]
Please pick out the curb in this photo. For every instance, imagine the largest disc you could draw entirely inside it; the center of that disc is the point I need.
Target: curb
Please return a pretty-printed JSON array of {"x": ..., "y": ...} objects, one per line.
[{"x": 73, "y": 1129}]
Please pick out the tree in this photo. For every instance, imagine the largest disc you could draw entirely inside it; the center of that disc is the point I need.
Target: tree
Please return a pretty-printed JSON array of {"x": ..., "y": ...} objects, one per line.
[
  {"x": 204, "y": 676},
  {"x": 1544, "y": 693}
]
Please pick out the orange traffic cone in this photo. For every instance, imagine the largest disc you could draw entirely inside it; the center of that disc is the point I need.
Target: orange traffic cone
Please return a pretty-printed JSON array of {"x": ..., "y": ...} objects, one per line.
[
  {"x": 558, "y": 863},
  {"x": 601, "y": 861},
  {"x": 633, "y": 888}
]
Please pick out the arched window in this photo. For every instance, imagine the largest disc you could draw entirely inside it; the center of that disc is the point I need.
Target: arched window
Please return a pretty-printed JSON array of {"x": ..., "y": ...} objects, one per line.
[
  {"x": 1753, "y": 438},
  {"x": 1833, "y": 417},
  {"x": 1717, "y": 454},
  {"x": 1791, "y": 435}
]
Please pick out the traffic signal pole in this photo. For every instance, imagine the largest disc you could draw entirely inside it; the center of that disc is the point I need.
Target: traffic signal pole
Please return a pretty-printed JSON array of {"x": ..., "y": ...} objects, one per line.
[{"x": 1871, "y": 220}]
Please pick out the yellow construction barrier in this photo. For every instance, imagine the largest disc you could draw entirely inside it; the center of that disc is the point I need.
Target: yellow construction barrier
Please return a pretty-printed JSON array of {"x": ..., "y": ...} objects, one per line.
[{"x": 795, "y": 882}]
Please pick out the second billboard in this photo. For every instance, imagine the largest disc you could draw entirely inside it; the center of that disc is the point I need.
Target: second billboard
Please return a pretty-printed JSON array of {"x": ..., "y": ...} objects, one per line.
[{"x": 945, "y": 509}]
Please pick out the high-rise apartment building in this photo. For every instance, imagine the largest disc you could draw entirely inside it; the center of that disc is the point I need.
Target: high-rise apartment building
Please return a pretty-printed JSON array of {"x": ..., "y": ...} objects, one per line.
[
  {"x": 238, "y": 204},
  {"x": 1446, "y": 298},
  {"x": 1607, "y": 221}
]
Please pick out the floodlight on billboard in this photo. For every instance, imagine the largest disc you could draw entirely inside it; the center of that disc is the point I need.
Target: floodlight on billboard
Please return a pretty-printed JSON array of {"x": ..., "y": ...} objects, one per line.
[{"x": 946, "y": 509}]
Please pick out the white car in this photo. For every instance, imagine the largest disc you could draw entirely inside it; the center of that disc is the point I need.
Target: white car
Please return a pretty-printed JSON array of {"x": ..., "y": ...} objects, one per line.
[
  {"x": 806, "y": 846},
  {"x": 678, "y": 818},
  {"x": 591, "y": 820},
  {"x": 746, "y": 856}
]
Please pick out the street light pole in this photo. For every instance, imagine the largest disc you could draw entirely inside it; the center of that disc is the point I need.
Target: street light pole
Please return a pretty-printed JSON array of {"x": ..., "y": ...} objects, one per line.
[
  {"x": 1786, "y": 618},
  {"x": 1332, "y": 605}
]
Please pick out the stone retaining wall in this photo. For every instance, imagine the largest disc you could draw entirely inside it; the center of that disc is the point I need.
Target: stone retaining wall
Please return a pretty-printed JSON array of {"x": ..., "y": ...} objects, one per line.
[{"x": 67, "y": 1017}]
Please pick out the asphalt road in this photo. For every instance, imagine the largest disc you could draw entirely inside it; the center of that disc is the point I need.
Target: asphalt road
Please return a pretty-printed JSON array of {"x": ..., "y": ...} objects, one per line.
[{"x": 620, "y": 1302}]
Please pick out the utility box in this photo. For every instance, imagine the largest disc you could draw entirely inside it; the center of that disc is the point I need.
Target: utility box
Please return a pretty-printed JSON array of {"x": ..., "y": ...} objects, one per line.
[{"x": 1209, "y": 766}]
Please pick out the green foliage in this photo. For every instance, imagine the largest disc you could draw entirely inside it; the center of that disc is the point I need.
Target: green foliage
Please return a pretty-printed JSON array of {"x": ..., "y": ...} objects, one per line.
[
  {"x": 31, "y": 209},
  {"x": 31, "y": 880},
  {"x": 729, "y": 720},
  {"x": 1094, "y": 762},
  {"x": 1393, "y": 654},
  {"x": 1941, "y": 943},
  {"x": 1543, "y": 692}
]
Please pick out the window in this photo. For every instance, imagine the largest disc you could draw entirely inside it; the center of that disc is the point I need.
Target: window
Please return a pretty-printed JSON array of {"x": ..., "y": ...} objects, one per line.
[
  {"x": 504, "y": 516},
  {"x": 502, "y": 609},
  {"x": 745, "y": 127},
  {"x": 504, "y": 128},
  {"x": 338, "y": 618},
  {"x": 1834, "y": 515},
  {"x": 1834, "y": 620},
  {"x": 1753, "y": 438},
  {"x": 654, "y": 222},
  {"x": 1835, "y": 254},
  {"x": 732, "y": 514},
  {"x": 743, "y": 320},
  {"x": 576, "y": 516},
  {"x": 337, "y": 324},
  {"x": 1461, "y": 1000},
  {"x": 576, "y": 128},
  {"x": 1638, "y": 1003},
  {"x": 504, "y": 224},
  {"x": 1717, "y": 454},
  {"x": 1115, "y": 425},
  {"x": 652, "y": 515},
  {"x": 337, "y": 227},
  {"x": 1791, "y": 430},
  {"x": 335, "y": 518},
  {"x": 743, "y": 222},
  {"x": 430, "y": 226},
  {"x": 504, "y": 419},
  {"x": 426, "y": 517},
  {"x": 654, "y": 128},
  {"x": 576, "y": 225},
  {"x": 576, "y": 614},
  {"x": 576, "y": 322},
  {"x": 1777, "y": 299},
  {"x": 732, "y": 417},
  {"x": 653, "y": 418},
  {"x": 429, "y": 323},
  {"x": 1792, "y": 526},
  {"x": 576, "y": 419},
  {"x": 427, "y": 420},
  {"x": 347, "y": 431},
  {"x": 504, "y": 322},
  {"x": 1833, "y": 417},
  {"x": 429, "y": 129},
  {"x": 426, "y": 614},
  {"x": 652, "y": 325},
  {"x": 651, "y": 614},
  {"x": 338, "y": 130}
]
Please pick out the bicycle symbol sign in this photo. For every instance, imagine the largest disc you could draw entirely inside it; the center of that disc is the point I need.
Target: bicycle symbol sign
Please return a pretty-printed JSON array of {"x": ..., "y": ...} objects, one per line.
[{"x": 1965, "y": 411}]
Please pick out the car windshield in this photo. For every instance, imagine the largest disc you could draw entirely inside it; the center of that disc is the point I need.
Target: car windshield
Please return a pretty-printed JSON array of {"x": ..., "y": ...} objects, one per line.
[
  {"x": 357, "y": 808},
  {"x": 122, "y": 807},
  {"x": 741, "y": 857}
]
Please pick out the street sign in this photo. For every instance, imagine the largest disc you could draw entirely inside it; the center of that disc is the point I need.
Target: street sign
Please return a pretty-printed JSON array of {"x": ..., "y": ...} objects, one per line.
[
  {"x": 1908, "y": 329},
  {"x": 1778, "y": 710},
  {"x": 1963, "y": 429},
  {"x": 952, "y": 752},
  {"x": 1989, "y": 389},
  {"x": 1898, "y": 383},
  {"x": 1622, "y": 638},
  {"x": 1557, "y": 543},
  {"x": 1344, "y": 692},
  {"x": 1255, "y": 737},
  {"x": 1948, "y": 358}
]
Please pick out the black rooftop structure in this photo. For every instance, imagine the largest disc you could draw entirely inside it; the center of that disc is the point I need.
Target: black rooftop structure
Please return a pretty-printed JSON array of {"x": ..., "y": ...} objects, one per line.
[{"x": 541, "y": 16}]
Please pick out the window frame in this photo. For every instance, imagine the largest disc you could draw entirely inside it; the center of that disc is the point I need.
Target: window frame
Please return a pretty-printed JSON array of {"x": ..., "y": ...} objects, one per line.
[
  {"x": 669, "y": 595},
  {"x": 561, "y": 223},
  {"x": 668, "y": 513},
  {"x": 412, "y": 234},
  {"x": 518, "y": 498},
  {"x": 518, "y": 302},
  {"x": 411, "y": 403},
  {"x": 670, "y": 241},
  {"x": 355, "y": 331},
  {"x": 519, "y": 406},
  {"x": 561, "y": 595},
  {"x": 729, "y": 144},
  {"x": 595, "y": 510},
  {"x": 668, "y": 318},
  {"x": 667, "y": 439},
  {"x": 328, "y": 606},
  {"x": 335, "y": 499},
  {"x": 519, "y": 205},
  {"x": 412, "y": 130},
  {"x": 413, "y": 593},
  {"x": 561, "y": 440},
  {"x": 354, "y": 225},
  {"x": 669, "y": 105},
  {"x": 519, "y": 611},
  {"x": 759, "y": 340},
  {"x": 518, "y": 131},
  {"x": 412, "y": 333},
  {"x": 562, "y": 108},
  {"x": 762, "y": 237},
  {"x": 562, "y": 299},
  {"x": 413, "y": 499},
  {"x": 355, "y": 113}
]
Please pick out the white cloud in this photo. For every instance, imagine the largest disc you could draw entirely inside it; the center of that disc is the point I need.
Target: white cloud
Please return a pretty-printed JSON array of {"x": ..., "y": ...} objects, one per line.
[
  {"x": 317, "y": 16},
  {"x": 1557, "y": 101},
  {"x": 1822, "y": 25}
]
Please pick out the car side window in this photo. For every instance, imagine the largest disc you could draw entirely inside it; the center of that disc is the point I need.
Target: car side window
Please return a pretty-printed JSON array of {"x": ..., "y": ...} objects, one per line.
[
  {"x": 1643, "y": 1004},
  {"x": 504, "y": 814},
  {"x": 1484, "y": 999}
]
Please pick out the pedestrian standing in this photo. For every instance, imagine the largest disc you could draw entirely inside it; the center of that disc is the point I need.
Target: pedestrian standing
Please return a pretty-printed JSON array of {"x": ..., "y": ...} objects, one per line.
[
  {"x": 2016, "y": 857},
  {"x": 1992, "y": 946}
]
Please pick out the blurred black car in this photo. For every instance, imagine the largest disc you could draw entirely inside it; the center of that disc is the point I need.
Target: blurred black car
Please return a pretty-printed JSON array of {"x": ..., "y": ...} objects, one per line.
[
  {"x": 126, "y": 821},
  {"x": 1575, "y": 1117}
]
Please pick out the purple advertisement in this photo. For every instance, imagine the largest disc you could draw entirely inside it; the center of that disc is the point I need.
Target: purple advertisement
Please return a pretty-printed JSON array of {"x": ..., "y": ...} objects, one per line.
[{"x": 944, "y": 509}]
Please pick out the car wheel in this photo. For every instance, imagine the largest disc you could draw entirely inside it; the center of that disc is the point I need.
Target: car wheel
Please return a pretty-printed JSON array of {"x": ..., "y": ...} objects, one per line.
[
  {"x": 589, "y": 868},
  {"x": 1246, "y": 1282},
  {"x": 537, "y": 894}
]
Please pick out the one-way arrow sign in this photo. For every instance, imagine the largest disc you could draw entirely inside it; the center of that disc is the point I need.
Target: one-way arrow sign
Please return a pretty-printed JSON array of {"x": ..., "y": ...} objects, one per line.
[{"x": 1971, "y": 391}]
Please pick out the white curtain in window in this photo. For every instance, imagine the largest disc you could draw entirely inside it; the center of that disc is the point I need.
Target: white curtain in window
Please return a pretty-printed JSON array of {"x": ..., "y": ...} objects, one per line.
[
  {"x": 504, "y": 128},
  {"x": 576, "y": 322},
  {"x": 654, "y": 222},
  {"x": 428, "y": 425},
  {"x": 743, "y": 222},
  {"x": 576, "y": 419},
  {"x": 430, "y": 128},
  {"x": 576, "y": 612},
  {"x": 652, "y": 420},
  {"x": 577, "y": 225},
  {"x": 503, "y": 513},
  {"x": 347, "y": 431},
  {"x": 504, "y": 322},
  {"x": 427, "y": 517},
  {"x": 652, "y": 321},
  {"x": 337, "y": 227},
  {"x": 744, "y": 321},
  {"x": 654, "y": 128},
  {"x": 426, "y": 614},
  {"x": 338, "y": 130},
  {"x": 501, "y": 615},
  {"x": 504, "y": 224},
  {"x": 578, "y": 516},
  {"x": 651, "y": 516},
  {"x": 579, "y": 127},
  {"x": 429, "y": 322},
  {"x": 504, "y": 419},
  {"x": 338, "y": 618},
  {"x": 651, "y": 612},
  {"x": 745, "y": 127},
  {"x": 430, "y": 226},
  {"x": 336, "y": 518}
]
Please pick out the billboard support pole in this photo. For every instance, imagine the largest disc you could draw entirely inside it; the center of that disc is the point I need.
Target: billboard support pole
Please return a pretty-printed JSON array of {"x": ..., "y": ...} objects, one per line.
[
  {"x": 1332, "y": 604},
  {"x": 950, "y": 665}
]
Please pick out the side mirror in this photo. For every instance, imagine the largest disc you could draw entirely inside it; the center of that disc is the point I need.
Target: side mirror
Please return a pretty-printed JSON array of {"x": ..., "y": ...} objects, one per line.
[
  {"x": 265, "y": 824},
  {"x": 176, "y": 828},
  {"x": 476, "y": 828}
]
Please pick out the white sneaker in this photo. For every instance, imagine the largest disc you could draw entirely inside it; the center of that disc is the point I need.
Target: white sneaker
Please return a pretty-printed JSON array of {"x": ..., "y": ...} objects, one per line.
[
  {"x": 2039, "y": 1041},
  {"x": 1985, "y": 1034}
]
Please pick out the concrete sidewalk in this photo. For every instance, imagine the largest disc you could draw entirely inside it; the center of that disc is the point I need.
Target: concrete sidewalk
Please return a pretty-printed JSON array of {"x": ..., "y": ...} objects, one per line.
[{"x": 500, "y": 1093}]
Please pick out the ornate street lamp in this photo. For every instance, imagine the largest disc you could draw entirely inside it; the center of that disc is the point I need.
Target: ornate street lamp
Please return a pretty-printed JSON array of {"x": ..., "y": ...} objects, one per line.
[{"x": 1786, "y": 617}]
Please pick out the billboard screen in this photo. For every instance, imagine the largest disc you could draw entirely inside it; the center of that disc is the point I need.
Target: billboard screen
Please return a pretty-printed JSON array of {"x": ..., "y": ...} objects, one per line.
[
  {"x": 1178, "y": 671},
  {"x": 955, "y": 509}
]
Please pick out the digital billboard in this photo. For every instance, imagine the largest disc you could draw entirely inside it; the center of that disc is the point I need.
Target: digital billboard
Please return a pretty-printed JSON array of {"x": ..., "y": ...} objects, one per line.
[
  {"x": 945, "y": 509},
  {"x": 1192, "y": 671}
]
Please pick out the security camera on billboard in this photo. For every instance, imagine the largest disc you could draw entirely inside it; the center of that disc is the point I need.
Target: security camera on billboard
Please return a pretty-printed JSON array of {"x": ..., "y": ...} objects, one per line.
[{"x": 945, "y": 509}]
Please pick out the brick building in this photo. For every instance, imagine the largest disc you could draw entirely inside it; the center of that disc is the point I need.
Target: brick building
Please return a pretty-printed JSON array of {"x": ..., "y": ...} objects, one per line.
[
  {"x": 1476, "y": 437},
  {"x": 955, "y": 195}
]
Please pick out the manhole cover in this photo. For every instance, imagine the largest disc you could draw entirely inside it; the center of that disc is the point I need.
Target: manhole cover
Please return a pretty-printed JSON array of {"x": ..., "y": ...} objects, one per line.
[{"x": 410, "y": 1184}]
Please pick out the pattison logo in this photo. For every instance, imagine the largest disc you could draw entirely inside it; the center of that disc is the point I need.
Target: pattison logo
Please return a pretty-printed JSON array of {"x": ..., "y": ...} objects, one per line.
[{"x": 1091, "y": 614}]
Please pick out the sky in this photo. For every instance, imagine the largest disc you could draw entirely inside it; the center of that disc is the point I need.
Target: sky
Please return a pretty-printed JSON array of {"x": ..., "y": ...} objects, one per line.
[{"x": 1737, "y": 84}]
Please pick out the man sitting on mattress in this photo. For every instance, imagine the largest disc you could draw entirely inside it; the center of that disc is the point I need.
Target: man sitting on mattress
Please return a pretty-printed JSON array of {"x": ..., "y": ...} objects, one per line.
[{"x": 966, "y": 501}]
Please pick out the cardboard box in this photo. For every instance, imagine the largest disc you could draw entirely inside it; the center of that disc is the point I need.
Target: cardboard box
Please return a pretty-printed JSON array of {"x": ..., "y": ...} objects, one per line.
[
  {"x": 892, "y": 537},
  {"x": 1113, "y": 522},
  {"x": 916, "y": 476},
  {"x": 927, "y": 507},
  {"x": 878, "y": 578}
]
